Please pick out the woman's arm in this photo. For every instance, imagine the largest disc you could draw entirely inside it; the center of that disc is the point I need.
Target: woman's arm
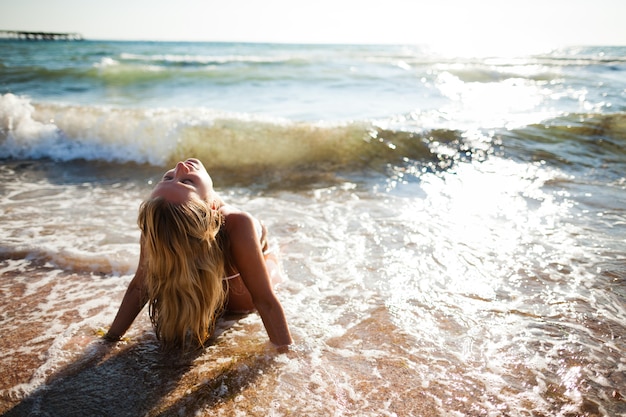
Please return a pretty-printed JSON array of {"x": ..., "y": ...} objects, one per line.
[
  {"x": 248, "y": 258},
  {"x": 132, "y": 304}
]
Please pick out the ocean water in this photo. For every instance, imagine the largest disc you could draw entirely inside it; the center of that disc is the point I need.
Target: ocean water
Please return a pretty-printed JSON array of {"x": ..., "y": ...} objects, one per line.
[{"x": 452, "y": 228}]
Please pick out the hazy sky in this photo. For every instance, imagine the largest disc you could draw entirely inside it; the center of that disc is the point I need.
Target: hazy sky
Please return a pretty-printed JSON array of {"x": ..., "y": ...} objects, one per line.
[{"x": 446, "y": 23}]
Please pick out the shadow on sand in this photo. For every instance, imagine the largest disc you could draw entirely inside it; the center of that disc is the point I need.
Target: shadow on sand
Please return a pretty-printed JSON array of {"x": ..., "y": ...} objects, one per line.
[{"x": 140, "y": 379}]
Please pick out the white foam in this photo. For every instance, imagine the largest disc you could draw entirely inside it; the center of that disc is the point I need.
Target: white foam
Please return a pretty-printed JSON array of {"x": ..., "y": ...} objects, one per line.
[
  {"x": 19, "y": 132},
  {"x": 70, "y": 132}
]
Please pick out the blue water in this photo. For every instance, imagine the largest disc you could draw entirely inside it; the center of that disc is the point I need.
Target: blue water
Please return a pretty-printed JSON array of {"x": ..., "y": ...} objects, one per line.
[
  {"x": 300, "y": 82},
  {"x": 453, "y": 227}
]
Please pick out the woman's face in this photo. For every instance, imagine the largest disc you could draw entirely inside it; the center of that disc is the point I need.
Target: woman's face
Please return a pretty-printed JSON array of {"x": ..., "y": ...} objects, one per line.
[{"x": 189, "y": 179}]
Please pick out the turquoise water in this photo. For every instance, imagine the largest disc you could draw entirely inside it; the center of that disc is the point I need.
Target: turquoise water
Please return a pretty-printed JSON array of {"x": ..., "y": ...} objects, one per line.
[{"x": 452, "y": 227}]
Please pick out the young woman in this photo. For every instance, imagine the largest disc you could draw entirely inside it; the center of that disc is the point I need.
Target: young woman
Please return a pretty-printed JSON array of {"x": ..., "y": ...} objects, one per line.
[{"x": 199, "y": 257}]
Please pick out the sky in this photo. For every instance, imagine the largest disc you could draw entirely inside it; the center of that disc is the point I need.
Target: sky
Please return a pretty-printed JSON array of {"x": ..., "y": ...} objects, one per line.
[{"x": 442, "y": 23}]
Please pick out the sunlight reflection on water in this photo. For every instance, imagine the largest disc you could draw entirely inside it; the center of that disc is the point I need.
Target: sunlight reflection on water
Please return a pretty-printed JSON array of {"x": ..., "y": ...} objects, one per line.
[{"x": 472, "y": 291}]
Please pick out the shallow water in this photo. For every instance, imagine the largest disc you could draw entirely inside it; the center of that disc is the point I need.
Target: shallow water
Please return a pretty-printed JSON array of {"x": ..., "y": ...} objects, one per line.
[
  {"x": 418, "y": 299},
  {"x": 447, "y": 261}
]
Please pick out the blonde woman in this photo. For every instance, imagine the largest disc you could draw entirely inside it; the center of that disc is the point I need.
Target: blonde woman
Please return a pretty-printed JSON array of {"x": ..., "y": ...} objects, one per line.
[{"x": 199, "y": 256}]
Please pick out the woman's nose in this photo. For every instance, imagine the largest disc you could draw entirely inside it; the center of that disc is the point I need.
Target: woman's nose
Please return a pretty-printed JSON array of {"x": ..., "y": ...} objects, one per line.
[{"x": 181, "y": 168}]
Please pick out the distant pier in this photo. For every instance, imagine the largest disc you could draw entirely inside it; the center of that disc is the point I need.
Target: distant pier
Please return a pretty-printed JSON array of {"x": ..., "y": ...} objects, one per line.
[{"x": 39, "y": 36}]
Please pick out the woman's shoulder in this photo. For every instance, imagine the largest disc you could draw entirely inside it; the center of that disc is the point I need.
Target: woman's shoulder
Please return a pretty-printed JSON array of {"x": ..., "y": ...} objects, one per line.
[
  {"x": 234, "y": 214},
  {"x": 237, "y": 220}
]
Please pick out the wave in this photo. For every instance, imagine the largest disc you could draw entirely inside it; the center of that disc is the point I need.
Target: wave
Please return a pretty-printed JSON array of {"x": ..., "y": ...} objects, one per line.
[
  {"x": 51, "y": 256},
  {"x": 191, "y": 59},
  {"x": 179, "y": 70},
  {"x": 228, "y": 141},
  {"x": 231, "y": 65},
  {"x": 248, "y": 145},
  {"x": 574, "y": 141}
]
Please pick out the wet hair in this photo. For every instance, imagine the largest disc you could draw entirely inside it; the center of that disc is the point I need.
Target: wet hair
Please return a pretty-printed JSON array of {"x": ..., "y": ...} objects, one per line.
[{"x": 184, "y": 264}]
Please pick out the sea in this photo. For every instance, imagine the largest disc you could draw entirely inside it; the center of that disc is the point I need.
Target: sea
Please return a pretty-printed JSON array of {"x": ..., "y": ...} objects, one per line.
[{"x": 451, "y": 226}]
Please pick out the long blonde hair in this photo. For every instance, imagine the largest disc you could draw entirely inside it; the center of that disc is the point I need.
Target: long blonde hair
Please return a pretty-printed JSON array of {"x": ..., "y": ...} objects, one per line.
[{"x": 184, "y": 268}]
